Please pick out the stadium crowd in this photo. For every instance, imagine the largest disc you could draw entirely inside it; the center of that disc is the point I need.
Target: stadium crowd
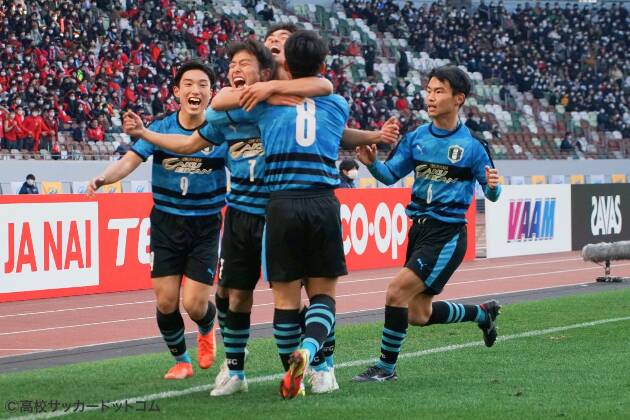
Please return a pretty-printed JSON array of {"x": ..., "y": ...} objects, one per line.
[{"x": 74, "y": 65}]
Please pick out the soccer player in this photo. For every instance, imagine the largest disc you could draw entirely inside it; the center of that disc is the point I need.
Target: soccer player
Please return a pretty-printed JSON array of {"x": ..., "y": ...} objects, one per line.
[
  {"x": 447, "y": 160},
  {"x": 302, "y": 240},
  {"x": 241, "y": 244},
  {"x": 189, "y": 193}
]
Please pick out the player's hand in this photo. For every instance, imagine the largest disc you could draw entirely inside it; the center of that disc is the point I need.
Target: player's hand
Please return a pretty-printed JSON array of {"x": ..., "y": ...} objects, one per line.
[
  {"x": 492, "y": 176},
  {"x": 390, "y": 131},
  {"x": 286, "y": 100},
  {"x": 94, "y": 185},
  {"x": 132, "y": 124},
  {"x": 255, "y": 93},
  {"x": 366, "y": 154}
]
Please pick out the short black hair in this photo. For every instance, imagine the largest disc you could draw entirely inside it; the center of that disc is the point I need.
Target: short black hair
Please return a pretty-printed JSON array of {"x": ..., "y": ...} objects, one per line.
[
  {"x": 348, "y": 164},
  {"x": 456, "y": 77},
  {"x": 305, "y": 52},
  {"x": 30, "y": 176},
  {"x": 256, "y": 48},
  {"x": 290, "y": 27},
  {"x": 193, "y": 65}
]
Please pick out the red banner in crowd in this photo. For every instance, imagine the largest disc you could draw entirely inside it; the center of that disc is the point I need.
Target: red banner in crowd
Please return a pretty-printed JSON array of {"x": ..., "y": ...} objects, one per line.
[{"x": 68, "y": 245}]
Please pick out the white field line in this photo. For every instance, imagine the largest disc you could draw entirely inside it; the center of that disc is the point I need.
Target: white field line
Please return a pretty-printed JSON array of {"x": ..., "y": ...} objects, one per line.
[
  {"x": 269, "y": 378},
  {"x": 152, "y": 301}
]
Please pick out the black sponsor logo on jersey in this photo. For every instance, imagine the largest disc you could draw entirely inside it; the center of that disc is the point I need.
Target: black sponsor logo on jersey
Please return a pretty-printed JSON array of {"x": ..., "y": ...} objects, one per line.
[
  {"x": 442, "y": 173},
  {"x": 245, "y": 149},
  {"x": 186, "y": 165},
  {"x": 455, "y": 153}
]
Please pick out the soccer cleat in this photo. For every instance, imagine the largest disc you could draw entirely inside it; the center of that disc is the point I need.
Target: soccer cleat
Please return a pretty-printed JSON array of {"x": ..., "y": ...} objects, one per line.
[
  {"x": 489, "y": 326},
  {"x": 206, "y": 349},
  {"x": 323, "y": 381},
  {"x": 375, "y": 374},
  {"x": 336, "y": 385},
  {"x": 181, "y": 370},
  {"x": 292, "y": 380},
  {"x": 223, "y": 375},
  {"x": 231, "y": 385}
]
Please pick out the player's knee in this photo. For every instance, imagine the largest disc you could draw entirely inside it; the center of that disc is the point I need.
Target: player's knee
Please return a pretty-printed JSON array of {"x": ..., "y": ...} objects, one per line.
[
  {"x": 196, "y": 308},
  {"x": 395, "y": 296},
  {"x": 418, "y": 319},
  {"x": 167, "y": 305},
  {"x": 241, "y": 302}
]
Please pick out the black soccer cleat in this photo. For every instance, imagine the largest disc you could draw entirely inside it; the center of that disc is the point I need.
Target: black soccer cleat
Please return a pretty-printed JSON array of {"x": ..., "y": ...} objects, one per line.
[
  {"x": 489, "y": 326},
  {"x": 375, "y": 374}
]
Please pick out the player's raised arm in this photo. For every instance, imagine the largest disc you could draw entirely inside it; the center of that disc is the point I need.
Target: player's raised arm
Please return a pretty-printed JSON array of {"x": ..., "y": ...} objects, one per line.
[
  {"x": 177, "y": 143},
  {"x": 387, "y": 134},
  {"x": 276, "y": 89},
  {"x": 115, "y": 172},
  {"x": 227, "y": 98},
  {"x": 486, "y": 174},
  {"x": 395, "y": 167}
]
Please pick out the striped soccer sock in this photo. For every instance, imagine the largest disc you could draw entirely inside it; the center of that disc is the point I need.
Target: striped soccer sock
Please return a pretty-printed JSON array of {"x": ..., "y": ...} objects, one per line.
[
  {"x": 324, "y": 358},
  {"x": 206, "y": 323},
  {"x": 236, "y": 335},
  {"x": 444, "y": 312},
  {"x": 394, "y": 333},
  {"x": 287, "y": 333},
  {"x": 172, "y": 329},
  {"x": 320, "y": 318},
  {"x": 222, "y": 307}
]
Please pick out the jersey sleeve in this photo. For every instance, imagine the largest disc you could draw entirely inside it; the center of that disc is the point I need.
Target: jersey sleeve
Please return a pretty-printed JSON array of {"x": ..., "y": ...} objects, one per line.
[
  {"x": 398, "y": 164},
  {"x": 212, "y": 134},
  {"x": 143, "y": 148},
  {"x": 483, "y": 159}
]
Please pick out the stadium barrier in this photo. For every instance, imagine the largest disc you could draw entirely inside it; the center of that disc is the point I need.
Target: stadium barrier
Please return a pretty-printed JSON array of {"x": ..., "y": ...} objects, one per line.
[
  {"x": 529, "y": 219},
  {"x": 67, "y": 245}
]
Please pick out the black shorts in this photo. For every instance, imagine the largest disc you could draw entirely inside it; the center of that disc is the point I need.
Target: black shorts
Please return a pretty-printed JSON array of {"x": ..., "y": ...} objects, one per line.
[
  {"x": 185, "y": 245},
  {"x": 435, "y": 250},
  {"x": 303, "y": 236},
  {"x": 241, "y": 247}
]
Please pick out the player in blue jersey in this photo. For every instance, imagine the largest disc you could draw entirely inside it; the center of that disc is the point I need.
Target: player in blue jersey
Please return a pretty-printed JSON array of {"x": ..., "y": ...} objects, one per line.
[
  {"x": 239, "y": 270},
  {"x": 446, "y": 160},
  {"x": 189, "y": 193},
  {"x": 303, "y": 232}
]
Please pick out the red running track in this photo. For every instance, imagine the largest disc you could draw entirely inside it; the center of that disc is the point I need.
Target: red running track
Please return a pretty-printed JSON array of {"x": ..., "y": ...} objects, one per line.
[{"x": 65, "y": 323}]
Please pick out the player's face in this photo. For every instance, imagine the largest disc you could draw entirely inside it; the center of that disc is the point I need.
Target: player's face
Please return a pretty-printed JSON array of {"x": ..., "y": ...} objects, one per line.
[
  {"x": 275, "y": 43},
  {"x": 194, "y": 92},
  {"x": 440, "y": 99},
  {"x": 244, "y": 69}
]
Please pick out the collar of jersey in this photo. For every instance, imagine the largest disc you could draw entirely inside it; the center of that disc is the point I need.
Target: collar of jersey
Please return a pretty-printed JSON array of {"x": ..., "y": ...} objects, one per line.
[{"x": 443, "y": 133}]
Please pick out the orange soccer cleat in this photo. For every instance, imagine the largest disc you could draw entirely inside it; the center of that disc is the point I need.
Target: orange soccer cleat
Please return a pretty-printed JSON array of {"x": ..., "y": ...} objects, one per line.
[
  {"x": 292, "y": 381},
  {"x": 206, "y": 349},
  {"x": 181, "y": 370}
]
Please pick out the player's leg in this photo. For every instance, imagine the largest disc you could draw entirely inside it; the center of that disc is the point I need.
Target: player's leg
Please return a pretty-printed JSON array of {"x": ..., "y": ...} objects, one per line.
[
  {"x": 286, "y": 318},
  {"x": 201, "y": 263},
  {"x": 168, "y": 255},
  {"x": 222, "y": 302},
  {"x": 403, "y": 287},
  {"x": 171, "y": 324},
  {"x": 423, "y": 310}
]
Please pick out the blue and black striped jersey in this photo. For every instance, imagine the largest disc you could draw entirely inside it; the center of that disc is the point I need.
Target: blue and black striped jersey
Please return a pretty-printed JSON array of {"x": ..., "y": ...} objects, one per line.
[
  {"x": 246, "y": 162},
  {"x": 446, "y": 166},
  {"x": 185, "y": 185},
  {"x": 301, "y": 142}
]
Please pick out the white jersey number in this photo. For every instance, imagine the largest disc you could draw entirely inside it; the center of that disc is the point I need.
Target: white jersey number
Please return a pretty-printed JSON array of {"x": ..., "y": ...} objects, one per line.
[
  {"x": 430, "y": 194},
  {"x": 183, "y": 184},
  {"x": 305, "y": 123}
]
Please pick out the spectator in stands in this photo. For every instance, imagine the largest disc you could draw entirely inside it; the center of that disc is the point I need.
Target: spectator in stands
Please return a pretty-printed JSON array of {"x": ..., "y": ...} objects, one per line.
[
  {"x": 29, "y": 186},
  {"x": 11, "y": 131},
  {"x": 567, "y": 142},
  {"x": 95, "y": 132},
  {"x": 403, "y": 65},
  {"x": 471, "y": 123},
  {"x": 77, "y": 132},
  {"x": 348, "y": 173}
]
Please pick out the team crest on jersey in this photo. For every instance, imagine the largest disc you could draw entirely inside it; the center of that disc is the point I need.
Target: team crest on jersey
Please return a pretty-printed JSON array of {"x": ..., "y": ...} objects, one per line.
[
  {"x": 207, "y": 150},
  {"x": 455, "y": 153},
  {"x": 246, "y": 149}
]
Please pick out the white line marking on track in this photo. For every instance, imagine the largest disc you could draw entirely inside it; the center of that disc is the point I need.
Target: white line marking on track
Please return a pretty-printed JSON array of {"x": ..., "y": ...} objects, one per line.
[
  {"x": 341, "y": 282},
  {"x": 269, "y": 378}
]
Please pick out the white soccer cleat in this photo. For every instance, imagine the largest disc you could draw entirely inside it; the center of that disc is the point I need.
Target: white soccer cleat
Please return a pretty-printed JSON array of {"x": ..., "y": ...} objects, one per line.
[
  {"x": 232, "y": 385},
  {"x": 332, "y": 371},
  {"x": 223, "y": 375},
  {"x": 323, "y": 382}
]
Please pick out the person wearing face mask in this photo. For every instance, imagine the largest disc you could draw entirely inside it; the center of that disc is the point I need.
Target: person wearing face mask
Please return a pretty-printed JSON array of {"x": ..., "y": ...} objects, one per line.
[
  {"x": 348, "y": 173},
  {"x": 29, "y": 186}
]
